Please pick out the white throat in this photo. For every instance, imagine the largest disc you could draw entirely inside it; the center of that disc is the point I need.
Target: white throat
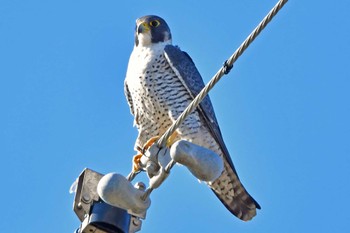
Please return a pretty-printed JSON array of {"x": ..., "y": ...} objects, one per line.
[{"x": 145, "y": 42}]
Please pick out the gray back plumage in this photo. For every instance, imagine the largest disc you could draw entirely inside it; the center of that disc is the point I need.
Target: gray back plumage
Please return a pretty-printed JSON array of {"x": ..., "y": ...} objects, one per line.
[{"x": 187, "y": 72}]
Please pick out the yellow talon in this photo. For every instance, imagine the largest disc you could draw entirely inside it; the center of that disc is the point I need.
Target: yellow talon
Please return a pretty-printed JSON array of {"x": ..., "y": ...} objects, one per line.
[
  {"x": 137, "y": 158},
  {"x": 149, "y": 143},
  {"x": 136, "y": 163}
]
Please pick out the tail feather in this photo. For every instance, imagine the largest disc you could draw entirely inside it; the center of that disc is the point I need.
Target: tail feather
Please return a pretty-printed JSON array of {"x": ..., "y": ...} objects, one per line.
[{"x": 233, "y": 195}]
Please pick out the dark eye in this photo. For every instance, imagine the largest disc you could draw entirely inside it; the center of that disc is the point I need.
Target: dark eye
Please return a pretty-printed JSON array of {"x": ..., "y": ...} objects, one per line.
[{"x": 154, "y": 23}]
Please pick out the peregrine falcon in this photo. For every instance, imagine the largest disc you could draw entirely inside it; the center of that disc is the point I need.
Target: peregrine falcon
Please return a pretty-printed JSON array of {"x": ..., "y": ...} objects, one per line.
[{"x": 160, "y": 83}]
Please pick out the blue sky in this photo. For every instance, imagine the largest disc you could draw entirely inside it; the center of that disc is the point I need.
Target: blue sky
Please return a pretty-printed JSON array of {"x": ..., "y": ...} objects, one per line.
[{"x": 284, "y": 110}]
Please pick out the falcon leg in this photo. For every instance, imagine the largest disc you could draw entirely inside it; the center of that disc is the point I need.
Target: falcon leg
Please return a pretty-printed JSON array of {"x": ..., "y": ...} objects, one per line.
[
  {"x": 136, "y": 163},
  {"x": 136, "y": 159},
  {"x": 149, "y": 143}
]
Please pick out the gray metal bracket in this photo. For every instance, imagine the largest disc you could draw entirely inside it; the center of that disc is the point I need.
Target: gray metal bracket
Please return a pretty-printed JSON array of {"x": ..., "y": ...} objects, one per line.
[{"x": 95, "y": 215}]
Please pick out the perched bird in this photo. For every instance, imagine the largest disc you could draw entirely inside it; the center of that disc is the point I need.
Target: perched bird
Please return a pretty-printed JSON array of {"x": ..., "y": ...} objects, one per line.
[{"x": 160, "y": 83}]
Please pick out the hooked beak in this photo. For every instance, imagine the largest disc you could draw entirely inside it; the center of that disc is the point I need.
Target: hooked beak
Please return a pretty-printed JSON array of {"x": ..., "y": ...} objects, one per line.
[{"x": 143, "y": 27}]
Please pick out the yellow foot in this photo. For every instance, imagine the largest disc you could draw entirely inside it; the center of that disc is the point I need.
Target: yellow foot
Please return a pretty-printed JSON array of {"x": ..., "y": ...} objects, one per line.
[
  {"x": 172, "y": 139},
  {"x": 149, "y": 143},
  {"x": 136, "y": 163},
  {"x": 136, "y": 159},
  {"x": 152, "y": 140}
]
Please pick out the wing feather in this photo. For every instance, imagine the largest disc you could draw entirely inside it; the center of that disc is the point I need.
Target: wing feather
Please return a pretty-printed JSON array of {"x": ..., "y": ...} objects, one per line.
[
  {"x": 183, "y": 65},
  {"x": 129, "y": 98},
  {"x": 241, "y": 204}
]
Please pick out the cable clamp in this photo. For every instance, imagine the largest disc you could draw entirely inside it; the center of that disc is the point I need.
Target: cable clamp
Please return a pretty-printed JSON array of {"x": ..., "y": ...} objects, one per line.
[{"x": 227, "y": 67}]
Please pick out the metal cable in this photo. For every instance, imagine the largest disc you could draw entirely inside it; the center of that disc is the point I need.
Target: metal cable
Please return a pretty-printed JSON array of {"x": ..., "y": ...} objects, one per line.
[{"x": 224, "y": 70}]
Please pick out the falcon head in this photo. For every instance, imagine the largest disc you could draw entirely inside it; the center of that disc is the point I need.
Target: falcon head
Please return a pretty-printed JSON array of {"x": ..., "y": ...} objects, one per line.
[{"x": 151, "y": 29}]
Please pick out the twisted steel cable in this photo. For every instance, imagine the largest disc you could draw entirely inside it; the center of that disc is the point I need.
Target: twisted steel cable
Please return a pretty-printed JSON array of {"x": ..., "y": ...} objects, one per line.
[{"x": 225, "y": 69}]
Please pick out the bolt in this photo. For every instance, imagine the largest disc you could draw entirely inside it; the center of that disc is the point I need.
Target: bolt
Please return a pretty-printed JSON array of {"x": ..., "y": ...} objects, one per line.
[{"x": 86, "y": 198}]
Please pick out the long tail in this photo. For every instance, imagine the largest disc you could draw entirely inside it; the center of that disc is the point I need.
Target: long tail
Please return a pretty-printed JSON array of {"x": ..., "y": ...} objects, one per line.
[{"x": 233, "y": 195}]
